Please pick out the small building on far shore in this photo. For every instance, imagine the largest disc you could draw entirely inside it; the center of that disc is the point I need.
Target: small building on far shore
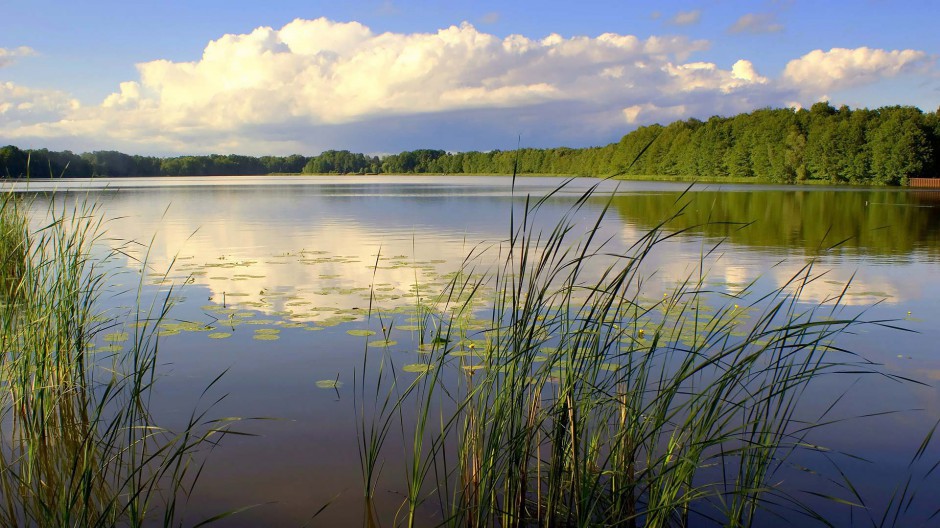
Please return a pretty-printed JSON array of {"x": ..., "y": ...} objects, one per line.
[{"x": 929, "y": 183}]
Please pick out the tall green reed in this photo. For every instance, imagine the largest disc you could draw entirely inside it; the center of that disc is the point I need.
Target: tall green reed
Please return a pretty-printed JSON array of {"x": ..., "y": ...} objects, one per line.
[
  {"x": 14, "y": 239},
  {"x": 79, "y": 445},
  {"x": 590, "y": 404}
]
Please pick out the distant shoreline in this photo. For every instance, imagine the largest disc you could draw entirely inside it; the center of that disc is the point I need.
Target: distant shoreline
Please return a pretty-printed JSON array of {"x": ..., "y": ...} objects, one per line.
[
  {"x": 823, "y": 145},
  {"x": 630, "y": 177}
]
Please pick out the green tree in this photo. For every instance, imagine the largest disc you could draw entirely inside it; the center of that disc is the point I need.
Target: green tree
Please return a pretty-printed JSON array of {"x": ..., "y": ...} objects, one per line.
[
  {"x": 13, "y": 162},
  {"x": 900, "y": 149}
]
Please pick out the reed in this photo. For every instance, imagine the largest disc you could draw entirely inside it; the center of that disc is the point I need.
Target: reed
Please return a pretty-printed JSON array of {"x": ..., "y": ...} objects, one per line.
[
  {"x": 79, "y": 446},
  {"x": 590, "y": 405},
  {"x": 14, "y": 239}
]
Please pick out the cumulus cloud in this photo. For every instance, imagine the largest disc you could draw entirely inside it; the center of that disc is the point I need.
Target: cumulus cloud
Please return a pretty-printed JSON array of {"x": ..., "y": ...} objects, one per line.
[
  {"x": 756, "y": 23},
  {"x": 708, "y": 76},
  {"x": 838, "y": 68},
  {"x": 319, "y": 84},
  {"x": 686, "y": 18},
  {"x": 21, "y": 106},
  {"x": 9, "y": 56},
  {"x": 649, "y": 112},
  {"x": 314, "y": 74}
]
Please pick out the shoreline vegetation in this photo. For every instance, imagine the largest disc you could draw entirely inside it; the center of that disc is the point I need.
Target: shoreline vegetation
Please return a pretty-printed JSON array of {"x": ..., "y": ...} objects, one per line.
[
  {"x": 545, "y": 394},
  {"x": 580, "y": 402},
  {"x": 885, "y": 147},
  {"x": 80, "y": 446}
]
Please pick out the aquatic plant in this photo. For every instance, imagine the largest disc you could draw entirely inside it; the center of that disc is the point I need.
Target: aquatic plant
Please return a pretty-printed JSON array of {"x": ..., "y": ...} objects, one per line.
[
  {"x": 79, "y": 446},
  {"x": 583, "y": 403},
  {"x": 14, "y": 239}
]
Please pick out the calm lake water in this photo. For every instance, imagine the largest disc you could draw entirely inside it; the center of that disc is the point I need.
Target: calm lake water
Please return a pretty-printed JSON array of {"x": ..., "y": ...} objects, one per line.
[{"x": 288, "y": 265}]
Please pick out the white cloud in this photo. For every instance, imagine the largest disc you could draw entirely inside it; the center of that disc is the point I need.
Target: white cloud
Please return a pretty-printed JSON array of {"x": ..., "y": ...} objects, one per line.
[
  {"x": 756, "y": 23},
  {"x": 129, "y": 94},
  {"x": 315, "y": 74},
  {"x": 838, "y": 68},
  {"x": 318, "y": 84},
  {"x": 744, "y": 73},
  {"x": 649, "y": 113},
  {"x": 686, "y": 18},
  {"x": 9, "y": 56},
  {"x": 22, "y": 106},
  {"x": 708, "y": 76}
]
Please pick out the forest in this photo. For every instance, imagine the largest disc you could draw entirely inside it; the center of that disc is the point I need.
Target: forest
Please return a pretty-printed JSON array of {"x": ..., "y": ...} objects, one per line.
[{"x": 884, "y": 146}]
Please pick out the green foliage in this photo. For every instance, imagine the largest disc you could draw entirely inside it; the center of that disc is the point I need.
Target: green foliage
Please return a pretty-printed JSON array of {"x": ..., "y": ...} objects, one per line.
[
  {"x": 116, "y": 164},
  {"x": 587, "y": 403},
  {"x": 900, "y": 147},
  {"x": 422, "y": 160},
  {"x": 14, "y": 162},
  {"x": 14, "y": 240},
  {"x": 341, "y": 162},
  {"x": 79, "y": 445},
  {"x": 882, "y": 147},
  {"x": 42, "y": 163},
  {"x": 886, "y": 146}
]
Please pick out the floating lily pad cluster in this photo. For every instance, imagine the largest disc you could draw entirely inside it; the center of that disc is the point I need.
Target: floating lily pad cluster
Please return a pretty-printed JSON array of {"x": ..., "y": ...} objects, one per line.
[{"x": 434, "y": 303}]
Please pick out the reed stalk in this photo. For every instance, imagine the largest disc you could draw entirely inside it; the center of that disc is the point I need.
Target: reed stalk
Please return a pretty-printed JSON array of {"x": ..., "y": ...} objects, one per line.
[
  {"x": 79, "y": 446},
  {"x": 594, "y": 406}
]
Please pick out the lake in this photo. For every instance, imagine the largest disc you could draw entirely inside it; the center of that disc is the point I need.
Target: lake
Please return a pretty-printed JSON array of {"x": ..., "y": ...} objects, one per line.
[{"x": 277, "y": 281}]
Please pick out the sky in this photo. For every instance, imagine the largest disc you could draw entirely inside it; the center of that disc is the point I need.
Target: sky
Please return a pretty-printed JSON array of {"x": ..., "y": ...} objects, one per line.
[{"x": 382, "y": 76}]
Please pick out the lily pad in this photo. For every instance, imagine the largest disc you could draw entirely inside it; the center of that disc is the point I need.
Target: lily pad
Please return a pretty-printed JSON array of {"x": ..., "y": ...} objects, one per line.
[
  {"x": 419, "y": 368},
  {"x": 361, "y": 333},
  {"x": 329, "y": 384},
  {"x": 219, "y": 335},
  {"x": 382, "y": 343},
  {"x": 116, "y": 337}
]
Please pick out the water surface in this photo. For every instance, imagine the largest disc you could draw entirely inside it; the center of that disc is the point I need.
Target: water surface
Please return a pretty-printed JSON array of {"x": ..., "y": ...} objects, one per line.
[{"x": 270, "y": 274}]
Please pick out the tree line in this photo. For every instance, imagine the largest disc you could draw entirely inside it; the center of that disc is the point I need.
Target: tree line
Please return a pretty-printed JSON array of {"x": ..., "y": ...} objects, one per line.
[
  {"x": 42, "y": 163},
  {"x": 884, "y": 146}
]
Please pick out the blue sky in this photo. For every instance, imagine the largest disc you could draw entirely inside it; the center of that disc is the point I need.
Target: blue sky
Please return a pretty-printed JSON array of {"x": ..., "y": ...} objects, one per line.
[{"x": 382, "y": 76}]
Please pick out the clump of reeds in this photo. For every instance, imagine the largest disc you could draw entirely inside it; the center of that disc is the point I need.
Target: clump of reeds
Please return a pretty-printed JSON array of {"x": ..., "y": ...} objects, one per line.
[
  {"x": 14, "y": 239},
  {"x": 590, "y": 405},
  {"x": 78, "y": 446}
]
